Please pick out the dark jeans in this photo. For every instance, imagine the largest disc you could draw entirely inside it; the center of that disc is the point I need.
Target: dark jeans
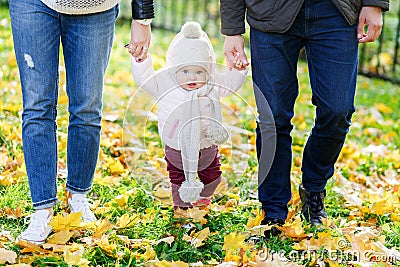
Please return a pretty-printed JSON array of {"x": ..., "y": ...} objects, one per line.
[{"x": 331, "y": 46}]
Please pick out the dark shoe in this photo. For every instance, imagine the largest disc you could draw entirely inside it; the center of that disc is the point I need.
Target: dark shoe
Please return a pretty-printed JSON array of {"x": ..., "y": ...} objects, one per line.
[
  {"x": 274, "y": 231},
  {"x": 312, "y": 209}
]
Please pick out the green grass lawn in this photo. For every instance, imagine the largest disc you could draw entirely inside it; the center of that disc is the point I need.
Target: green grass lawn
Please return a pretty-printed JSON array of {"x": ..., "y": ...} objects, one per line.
[{"x": 128, "y": 186}]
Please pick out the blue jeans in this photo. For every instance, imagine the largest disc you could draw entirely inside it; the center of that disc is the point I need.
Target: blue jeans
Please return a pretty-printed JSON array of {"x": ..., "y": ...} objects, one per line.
[
  {"x": 86, "y": 41},
  {"x": 332, "y": 49}
]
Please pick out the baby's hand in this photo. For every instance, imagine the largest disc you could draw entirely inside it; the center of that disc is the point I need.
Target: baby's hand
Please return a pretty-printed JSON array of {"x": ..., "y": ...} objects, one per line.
[
  {"x": 240, "y": 63},
  {"x": 143, "y": 54}
]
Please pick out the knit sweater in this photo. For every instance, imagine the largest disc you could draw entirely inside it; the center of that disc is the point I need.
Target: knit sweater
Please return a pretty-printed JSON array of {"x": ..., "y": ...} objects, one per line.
[{"x": 79, "y": 7}]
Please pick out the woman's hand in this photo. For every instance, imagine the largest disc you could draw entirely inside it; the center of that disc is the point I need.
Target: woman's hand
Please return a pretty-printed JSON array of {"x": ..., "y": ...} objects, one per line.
[{"x": 140, "y": 40}]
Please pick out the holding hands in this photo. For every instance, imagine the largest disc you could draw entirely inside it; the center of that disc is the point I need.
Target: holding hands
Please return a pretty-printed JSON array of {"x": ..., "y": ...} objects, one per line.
[
  {"x": 234, "y": 52},
  {"x": 140, "y": 40}
]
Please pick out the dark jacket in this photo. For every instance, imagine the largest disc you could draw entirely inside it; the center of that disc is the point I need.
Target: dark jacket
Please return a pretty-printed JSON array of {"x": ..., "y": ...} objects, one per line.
[
  {"x": 142, "y": 9},
  {"x": 279, "y": 15}
]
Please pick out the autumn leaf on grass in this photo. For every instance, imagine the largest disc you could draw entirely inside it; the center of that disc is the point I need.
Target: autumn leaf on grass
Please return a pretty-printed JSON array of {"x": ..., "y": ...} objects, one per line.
[
  {"x": 102, "y": 210},
  {"x": 72, "y": 220},
  {"x": 162, "y": 190},
  {"x": 382, "y": 207},
  {"x": 55, "y": 247},
  {"x": 127, "y": 220},
  {"x": 29, "y": 247},
  {"x": 114, "y": 165},
  {"x": 258, "y": 230},
  {"x": 149, "y": 254},
  {"x": 6, "y": 236},
  {"x": 231, "y": 259},
  {"x": 121, "y": 200},
  {"x": 10, "y": 177},
  {"x": 169, "y": 240},
  {"x": 7, "y": 256},
  {"x": 383, "y": 108},
  {"x": 193, "y": 213},
  {"x": 73, "y": 256},
  {"x": 324, "y": 239},
  {"x": 197, "y": 238},
  {"x": 105, "y": 245},
  {"x": 3, "y": 159},
  {"x": 255, "y": 221},
  {"x": 234, "y": 241},
  {"x": 102, "y": 226},
  {"x": 20, "y": 265},
  {"x": 254, "y": 227},
  {"x": 294, "y": 229},
  {"x": 13, "y": 214},
  {"x": 108, "y": 180},
  {"x": 60, "y": 237}
]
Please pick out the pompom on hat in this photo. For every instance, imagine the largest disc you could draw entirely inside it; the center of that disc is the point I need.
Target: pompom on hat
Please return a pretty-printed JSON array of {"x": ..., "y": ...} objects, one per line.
[{"x": 191, "y": 46}]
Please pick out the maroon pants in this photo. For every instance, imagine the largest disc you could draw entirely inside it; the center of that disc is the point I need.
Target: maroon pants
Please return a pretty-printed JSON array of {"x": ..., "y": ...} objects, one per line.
[{"x": 209, "y": 172}]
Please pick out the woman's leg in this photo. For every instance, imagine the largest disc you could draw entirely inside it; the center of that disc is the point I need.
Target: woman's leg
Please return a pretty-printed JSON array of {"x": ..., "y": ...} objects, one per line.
[
  {"x": 87, "y": 41},
  {"x": 36, "y": 34}
]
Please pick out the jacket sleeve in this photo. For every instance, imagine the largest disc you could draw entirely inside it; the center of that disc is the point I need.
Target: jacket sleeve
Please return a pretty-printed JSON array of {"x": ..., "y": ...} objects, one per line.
[
  {"x": 142, "y": 9},
  {"x": 232, "y": 16},
  {"x": 229, "y": 81},
  {"x": 384, "y": 4},
  {"x": 145, "y": 76}
]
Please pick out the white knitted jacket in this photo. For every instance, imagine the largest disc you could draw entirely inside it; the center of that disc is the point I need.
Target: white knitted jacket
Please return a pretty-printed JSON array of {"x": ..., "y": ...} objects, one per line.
[
  {"x": 79, "y": 7},
  {"x": 170, "y": 98}
]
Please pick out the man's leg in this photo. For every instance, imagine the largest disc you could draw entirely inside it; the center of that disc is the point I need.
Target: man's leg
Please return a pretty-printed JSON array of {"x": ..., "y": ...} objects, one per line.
[
  {"x": 274, "y": 64},
  {"x": 331, "y": 49}
]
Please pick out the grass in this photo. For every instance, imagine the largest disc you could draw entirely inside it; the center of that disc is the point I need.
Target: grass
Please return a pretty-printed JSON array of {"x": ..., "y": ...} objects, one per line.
[{"x": 374, "y": 97}]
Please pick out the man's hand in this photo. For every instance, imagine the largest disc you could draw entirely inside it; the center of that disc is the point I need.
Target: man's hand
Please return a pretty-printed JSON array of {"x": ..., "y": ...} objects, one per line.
[
  {"x": 234, "y": 52},
  {"x": 372, "y": 18},
  {"x": 140, "y": 40}
]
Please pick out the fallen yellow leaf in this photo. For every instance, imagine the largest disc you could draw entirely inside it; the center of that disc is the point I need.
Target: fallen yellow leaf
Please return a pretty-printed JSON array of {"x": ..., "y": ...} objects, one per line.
[
  {"x": 102, "y": 226},
  {"x": 7, "y": 256},
  {"x": 105, "y": 245},
  {"x": 255, "y": 221},
  {"x": 127, "y": 220},
  {"x": 197, "y": 238},
  {"x": 169, "y": 240},
  {"x": 72, "y": 257},
  {"x": 234, "y": 241},
  {"x": 60, "y": 237},
  {"x": 60, "y": 222}
]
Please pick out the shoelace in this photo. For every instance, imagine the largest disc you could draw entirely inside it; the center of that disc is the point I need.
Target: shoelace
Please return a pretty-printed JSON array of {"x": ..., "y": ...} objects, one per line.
[
  {"x": 82, "y": 205},
  {"x": 36, "y": 225}
]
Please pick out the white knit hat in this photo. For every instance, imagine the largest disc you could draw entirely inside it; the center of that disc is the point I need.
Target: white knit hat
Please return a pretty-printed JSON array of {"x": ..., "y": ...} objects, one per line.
[{"x": 191, "y": 46}]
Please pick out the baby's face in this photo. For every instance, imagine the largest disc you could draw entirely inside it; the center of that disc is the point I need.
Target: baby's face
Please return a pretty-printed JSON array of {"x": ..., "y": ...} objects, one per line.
[{"x": 191, "y": 77}]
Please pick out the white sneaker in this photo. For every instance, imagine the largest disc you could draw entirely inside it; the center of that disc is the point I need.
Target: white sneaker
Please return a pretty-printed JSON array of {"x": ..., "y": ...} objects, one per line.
[
  {"x": 38, "y": 229},
  {"x": 79, "y": 203}
]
